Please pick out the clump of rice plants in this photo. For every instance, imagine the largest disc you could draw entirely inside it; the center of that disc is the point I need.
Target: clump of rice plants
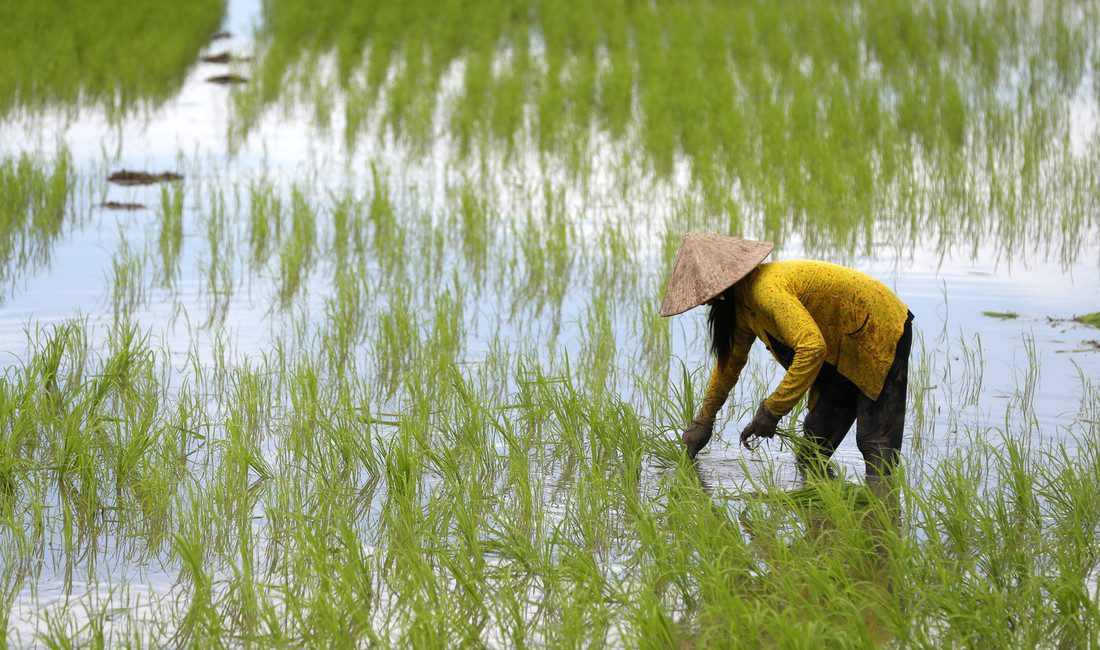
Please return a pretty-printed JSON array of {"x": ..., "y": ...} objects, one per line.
[
  {"x": 1001, "y": 315},
  {"x": 410, "y": 470},
  {"x": 1089, "y": 319},
  {"x": 429, "y": 401},
  {"x": 820, "y": 117},
  {"x": 36, "y": 203},
  {"x": 111, "y": 55}
]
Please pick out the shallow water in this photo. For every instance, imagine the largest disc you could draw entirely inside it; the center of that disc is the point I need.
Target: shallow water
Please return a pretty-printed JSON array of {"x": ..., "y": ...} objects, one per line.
[{"x": 948, "y": 293}]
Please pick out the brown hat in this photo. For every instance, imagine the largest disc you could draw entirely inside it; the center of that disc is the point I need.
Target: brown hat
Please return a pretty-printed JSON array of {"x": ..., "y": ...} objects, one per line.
[{"x": 707, "y": 265}]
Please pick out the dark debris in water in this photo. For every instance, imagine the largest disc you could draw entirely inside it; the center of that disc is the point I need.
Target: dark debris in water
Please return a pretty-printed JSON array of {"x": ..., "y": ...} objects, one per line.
[
  {"x": 1092, "y": 320},
  {"x": 126, "y": 177},
  {"x": 115, "y": 205},
  {"x": 226, "y": 79},
  {"x": 223, "y": 57},
  {"x": 221, "y": 36},
  {"x": 220, "y": 57}
]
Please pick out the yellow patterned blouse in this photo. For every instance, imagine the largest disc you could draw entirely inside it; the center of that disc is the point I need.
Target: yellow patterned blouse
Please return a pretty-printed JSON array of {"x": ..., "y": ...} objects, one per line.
[{"x": 822, "y": 312}]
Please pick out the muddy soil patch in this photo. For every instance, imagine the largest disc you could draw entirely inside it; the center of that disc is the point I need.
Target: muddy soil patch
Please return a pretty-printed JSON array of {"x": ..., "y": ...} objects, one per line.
[
  {"x": 227, "y": 79},
  {"x": 224, "y": 57},
  {"x": 116, "y": 205},
  {"x": 126, "y": 177}
]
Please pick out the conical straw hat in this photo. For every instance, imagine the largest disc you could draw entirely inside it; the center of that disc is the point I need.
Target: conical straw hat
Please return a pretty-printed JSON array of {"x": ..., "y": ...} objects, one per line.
[{"x": 707, "y": 265}]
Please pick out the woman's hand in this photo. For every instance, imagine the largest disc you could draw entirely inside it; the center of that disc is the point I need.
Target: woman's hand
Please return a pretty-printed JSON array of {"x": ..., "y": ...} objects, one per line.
[
  {"x": 762, "y": 426},
  {"x": 696, "y": 436}
]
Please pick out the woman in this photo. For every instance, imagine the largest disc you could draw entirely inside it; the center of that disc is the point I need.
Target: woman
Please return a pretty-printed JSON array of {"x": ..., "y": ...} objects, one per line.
[{"x": 843, "y": 337}]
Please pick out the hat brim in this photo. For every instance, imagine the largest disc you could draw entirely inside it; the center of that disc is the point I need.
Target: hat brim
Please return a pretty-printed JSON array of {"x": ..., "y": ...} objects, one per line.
[{"x": 706, "y": 265}]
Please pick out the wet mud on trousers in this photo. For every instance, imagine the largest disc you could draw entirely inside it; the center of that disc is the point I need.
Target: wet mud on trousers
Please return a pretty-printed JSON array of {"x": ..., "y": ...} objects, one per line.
[{"x": 880, "y": 422}]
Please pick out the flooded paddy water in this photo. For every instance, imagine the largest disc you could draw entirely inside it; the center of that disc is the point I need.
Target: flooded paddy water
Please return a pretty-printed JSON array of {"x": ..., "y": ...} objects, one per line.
[{"x": 382, "y": 365}]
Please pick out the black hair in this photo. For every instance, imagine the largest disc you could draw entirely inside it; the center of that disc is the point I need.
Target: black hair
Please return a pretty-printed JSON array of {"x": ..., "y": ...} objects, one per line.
[{"x": 722, "y": 322}]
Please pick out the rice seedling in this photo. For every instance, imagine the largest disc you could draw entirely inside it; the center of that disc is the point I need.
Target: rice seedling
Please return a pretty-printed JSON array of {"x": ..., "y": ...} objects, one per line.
[
  {"x": 36, "y": 206},
  {"x": 264, "y": 218},
  {"x": 170, "y": 238},
  {"x": 568, "y": 593},
  {"x": 534, "y": 476},
  {"x": 547, "y": 246},
  {"x": 451, "y": 417},
  {"x": 922, "y": 396},
  {"x": 218, "y": 272},
  {"x": 345, "y": 313},
  {"x": 599, "y": 349},
  {"x": 1089, "y": 319},
  {"x": 656, "y": 339},
  {"x": 1027, "y": 380},
  {"x": 838, "y": 123},
  {"x": 128, "y": 281},
  {"x": 397, "y": 339},
  {"x": 387, "y": 232},
  {"x": 473, "y": 219},
  {"x": 296, "y": 256}
]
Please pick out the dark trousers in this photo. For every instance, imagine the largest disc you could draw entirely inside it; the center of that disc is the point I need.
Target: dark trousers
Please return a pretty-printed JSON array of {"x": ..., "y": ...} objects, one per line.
[{"x": 879, "y": 422}]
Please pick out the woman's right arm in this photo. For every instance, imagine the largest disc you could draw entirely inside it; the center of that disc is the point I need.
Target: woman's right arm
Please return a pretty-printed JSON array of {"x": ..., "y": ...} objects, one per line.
[{"x": 723, "y": 379}]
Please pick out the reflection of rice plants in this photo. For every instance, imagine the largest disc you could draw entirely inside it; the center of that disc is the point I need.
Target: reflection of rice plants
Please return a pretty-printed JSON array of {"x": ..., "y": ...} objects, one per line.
[{"x": 434, "y": 405}]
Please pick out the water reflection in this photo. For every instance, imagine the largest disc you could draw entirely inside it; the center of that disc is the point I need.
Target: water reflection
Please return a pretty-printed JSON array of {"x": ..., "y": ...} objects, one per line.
[{"x": 537, "y": 261}]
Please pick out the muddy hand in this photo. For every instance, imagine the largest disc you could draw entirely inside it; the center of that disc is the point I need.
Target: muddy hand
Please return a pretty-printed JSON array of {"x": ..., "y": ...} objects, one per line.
[
  {"x": 762, "y": 426},
  {"x": 696, "y": 436}
]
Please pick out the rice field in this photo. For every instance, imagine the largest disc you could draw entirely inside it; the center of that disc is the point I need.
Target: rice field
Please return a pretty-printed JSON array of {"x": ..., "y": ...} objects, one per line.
[
  {"x": 115, "y": 57},
  {"x": 374, "y": 359}
]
